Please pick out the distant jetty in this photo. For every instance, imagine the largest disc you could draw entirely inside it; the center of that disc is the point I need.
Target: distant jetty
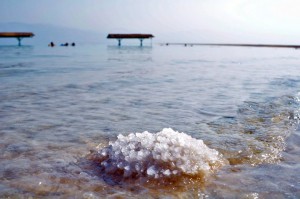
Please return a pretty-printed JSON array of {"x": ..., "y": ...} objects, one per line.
[
  {"x": 119, "y": 37},
  {"x": 236, "y": 45},
  {"x": 18, "y": 35}
]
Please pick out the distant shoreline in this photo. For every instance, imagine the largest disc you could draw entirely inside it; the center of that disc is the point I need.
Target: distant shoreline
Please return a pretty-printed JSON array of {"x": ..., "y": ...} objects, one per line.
[{"x": 235, "y": 45}]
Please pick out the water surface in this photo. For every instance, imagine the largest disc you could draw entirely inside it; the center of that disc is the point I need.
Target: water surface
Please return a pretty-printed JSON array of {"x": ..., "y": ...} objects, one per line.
[{"x": 58, "y": 104}]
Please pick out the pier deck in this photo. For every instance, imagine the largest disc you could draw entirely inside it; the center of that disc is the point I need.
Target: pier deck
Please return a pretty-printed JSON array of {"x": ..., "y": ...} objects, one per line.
[
  {"x": 18, "y": 35},
  {"x": 119, "y": 37}
]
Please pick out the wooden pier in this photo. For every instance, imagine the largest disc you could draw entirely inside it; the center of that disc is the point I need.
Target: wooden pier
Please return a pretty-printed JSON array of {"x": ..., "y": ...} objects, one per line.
[
  {"x": 236, "y": 45},
  {"x": 18, "y": 35},
  {"x": 119, "y": 37}
]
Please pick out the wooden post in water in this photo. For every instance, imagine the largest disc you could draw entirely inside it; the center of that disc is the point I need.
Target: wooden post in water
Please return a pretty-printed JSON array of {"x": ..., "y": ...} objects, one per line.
[
  {"x": 141, "y": 42},
  {"x": 19, "y": 41}
]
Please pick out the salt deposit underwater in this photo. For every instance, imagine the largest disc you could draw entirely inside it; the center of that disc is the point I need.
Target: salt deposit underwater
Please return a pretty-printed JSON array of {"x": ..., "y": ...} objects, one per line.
[{"x": 163, "y": 155}]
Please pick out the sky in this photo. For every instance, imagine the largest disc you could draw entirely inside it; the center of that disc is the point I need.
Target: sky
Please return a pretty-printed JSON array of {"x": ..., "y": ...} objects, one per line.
[{"x": 252, "y": 21}]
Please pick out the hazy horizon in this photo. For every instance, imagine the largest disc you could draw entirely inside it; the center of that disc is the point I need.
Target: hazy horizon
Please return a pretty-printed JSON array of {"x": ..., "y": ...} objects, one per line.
[{"x": 256, "y": 21}]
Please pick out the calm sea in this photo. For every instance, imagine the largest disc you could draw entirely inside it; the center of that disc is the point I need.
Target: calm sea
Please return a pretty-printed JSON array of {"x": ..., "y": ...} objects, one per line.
[{"x": 57, "y": 104}]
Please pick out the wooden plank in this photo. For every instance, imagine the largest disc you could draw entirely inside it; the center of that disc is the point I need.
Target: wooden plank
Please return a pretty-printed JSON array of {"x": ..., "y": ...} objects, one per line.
[
  {"x": 16, "y": 34},
  {"x": 129, "y": 36}
]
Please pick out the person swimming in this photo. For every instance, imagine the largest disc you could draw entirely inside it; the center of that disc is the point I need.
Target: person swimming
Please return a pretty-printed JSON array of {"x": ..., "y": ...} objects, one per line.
[
  {"x": 65, "y": 44},
  {"x": 51, "y": 44}
]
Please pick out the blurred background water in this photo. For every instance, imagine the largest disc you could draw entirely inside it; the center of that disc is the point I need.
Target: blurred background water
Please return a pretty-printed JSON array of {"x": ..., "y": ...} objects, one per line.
[{"x": 57, "y": 104}]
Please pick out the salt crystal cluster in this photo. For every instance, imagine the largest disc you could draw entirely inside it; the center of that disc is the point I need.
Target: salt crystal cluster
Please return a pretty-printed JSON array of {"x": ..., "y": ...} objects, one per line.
[{"x": 164, "y": 154}]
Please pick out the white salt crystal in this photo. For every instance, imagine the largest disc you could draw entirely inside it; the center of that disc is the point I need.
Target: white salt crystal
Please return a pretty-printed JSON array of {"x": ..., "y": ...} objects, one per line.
[
  {"x": 167, "y": 172},
  {"x": 166, "y": 152},
  {"x": 151, "y": 171}
]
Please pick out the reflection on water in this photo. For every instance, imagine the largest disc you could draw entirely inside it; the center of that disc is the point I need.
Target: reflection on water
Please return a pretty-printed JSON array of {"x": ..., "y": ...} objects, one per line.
[
  {"x": 129, "y": 54},
  {"x": 57, "y": 105}
]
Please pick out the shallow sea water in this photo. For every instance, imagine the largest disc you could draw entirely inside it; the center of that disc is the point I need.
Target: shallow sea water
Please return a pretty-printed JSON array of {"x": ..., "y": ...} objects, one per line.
[{"x": 59, "y": 107}]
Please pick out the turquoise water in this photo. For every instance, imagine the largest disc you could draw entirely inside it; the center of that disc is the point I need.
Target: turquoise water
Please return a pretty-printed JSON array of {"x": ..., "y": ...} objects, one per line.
[{"x": 58, "y": 104}]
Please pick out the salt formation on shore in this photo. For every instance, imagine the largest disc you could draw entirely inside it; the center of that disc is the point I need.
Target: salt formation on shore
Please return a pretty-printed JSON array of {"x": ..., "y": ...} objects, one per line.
[{"x": 165, "y": 154}]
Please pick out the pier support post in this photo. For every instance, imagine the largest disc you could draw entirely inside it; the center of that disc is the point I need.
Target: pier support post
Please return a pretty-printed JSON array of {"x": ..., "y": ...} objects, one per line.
[
  {"x": 19, "y": 40},
  {"x": 141, "y": 44},
  {"x": 119, "y": 42}
]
